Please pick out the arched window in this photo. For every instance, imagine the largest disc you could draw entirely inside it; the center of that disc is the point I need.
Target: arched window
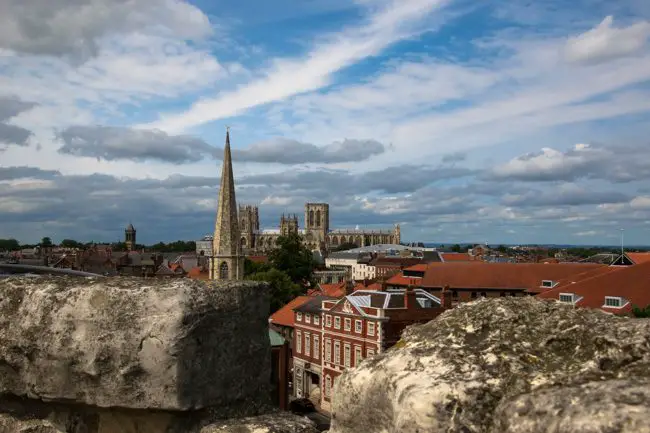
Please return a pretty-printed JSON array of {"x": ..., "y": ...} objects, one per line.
[
  {"x": 311, "y": 218},
  {"x": 223, "y": 271},
  {"x": 243, "y": 242},
  {"x": 328, "y": 385},
  {"x": 318, "y": 218}
]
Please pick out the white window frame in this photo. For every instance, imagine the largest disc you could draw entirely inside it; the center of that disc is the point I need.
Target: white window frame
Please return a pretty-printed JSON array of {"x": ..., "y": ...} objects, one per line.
[
  {"x": 307, "y": 318},
  {"x": 347, "y": 355},
  {"x": 298, "y": 316},
  {"x": 328, "y": 320},
  {"x": 621, "y": 302},
  {"x": 370, "y": 329},
  {"x": 549, "y": 286},
  {"x": 337, "y": 322},
  {"x": 564, "y": 295},
  {"x": 358, "y": 355},
  {"x": 328, "y": 350},
  {"x": 337, "y": 352},
  {"x": 347, "y": 324},
  {"x": 370, "y": 352},
  {"x": 316, "y": 350},
  {"x": 316, "y": 320},
  {"x": 307, "y": 344},
  {"x": 298, "y": 342},
  {"x": 358, "y": 326}
]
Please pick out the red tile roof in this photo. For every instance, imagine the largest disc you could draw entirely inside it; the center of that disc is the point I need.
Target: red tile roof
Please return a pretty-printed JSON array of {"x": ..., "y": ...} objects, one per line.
[
  {"x": 258, "y": 259},
  {"x": 401, "y": 280},
  {"x": 198, "y": 274},
  {"x": 639, "y": 258},
  {"x": 469, "y": 275},
  {"x": 336, "y": 290},
  {"x": 420, "y": 267},
  {"x": 628, "y": 282},
  {"x": 285, "y": 316},
  {"x": 456, "y": 257}
]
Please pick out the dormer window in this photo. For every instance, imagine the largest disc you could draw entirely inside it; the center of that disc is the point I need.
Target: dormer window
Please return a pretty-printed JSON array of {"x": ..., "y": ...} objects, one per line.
[
  {"x": 568, "y": 298},
  {"x": 614, "y": 302},
  {"x": 548, "y": 283}
]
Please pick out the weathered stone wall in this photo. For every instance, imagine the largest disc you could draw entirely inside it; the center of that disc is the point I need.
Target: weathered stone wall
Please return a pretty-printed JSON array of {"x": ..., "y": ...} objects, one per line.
[
  {"x": 108, "y": 355},
  {"x": 509, "y": 365}
]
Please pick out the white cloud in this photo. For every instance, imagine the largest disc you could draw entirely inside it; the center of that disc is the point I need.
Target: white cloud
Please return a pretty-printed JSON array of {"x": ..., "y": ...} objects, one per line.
[
  {"x": 276, "y": 201},
  {"x": 289, "y": 77},
  {"x": 641, "y": 202},
  {"x": 605, "y": 42},
  {"x": 73, "y": 27},
  {"x": 587, "y": 233}
]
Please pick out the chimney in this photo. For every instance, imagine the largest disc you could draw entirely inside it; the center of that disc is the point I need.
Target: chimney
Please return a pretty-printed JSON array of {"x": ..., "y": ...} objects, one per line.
[
  {"x": 349, "y": 287},
  {"x": 410, "y": 301},
  {"x": 365, "y": 282},
  {"x": 446, "y": 298}
]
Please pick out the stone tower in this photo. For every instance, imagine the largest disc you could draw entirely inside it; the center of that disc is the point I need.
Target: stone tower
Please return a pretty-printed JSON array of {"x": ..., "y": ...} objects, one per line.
[
  {"x": 227, "y": 260},
  {"x": 249, "y": 226},
  {"x": 129, "y": 237},
  {"x": 397, "y": 235},
  {"x": 288, "y": 225},
  {"x": 317, "y": 224}
]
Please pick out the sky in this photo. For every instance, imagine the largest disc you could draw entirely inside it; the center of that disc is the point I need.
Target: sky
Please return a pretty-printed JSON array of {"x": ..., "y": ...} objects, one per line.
[{"x": 501, "y": 121}]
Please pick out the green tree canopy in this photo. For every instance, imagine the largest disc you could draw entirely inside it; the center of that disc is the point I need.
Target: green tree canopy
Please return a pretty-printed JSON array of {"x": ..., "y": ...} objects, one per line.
[
  {"x": 293, "y": 258},
  {"x": 283, "y": 290},
  {"x": 346, "y": 246},
  {"x": 251, "y": 267},
  {"x": 46, "y": 242},
  {"x": 641, "y": 312},
  {"x": 71, "y": 243},
  {"x": 9, "y": 245}
]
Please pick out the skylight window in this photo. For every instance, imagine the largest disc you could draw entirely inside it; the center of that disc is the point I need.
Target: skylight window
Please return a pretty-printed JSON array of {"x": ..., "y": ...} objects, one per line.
[
  {"x": 568, "y": 298},
  {"x": 548, "y": 283},
  {"x": 614, "y": 302}
]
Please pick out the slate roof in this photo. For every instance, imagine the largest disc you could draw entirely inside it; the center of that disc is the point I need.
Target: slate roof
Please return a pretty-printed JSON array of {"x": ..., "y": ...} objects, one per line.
[{"x": 313, "y": 305}]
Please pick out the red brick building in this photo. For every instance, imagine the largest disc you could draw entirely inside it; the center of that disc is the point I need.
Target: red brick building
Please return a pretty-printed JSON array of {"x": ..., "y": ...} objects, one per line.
[
  {"x": 364, "y": 323},
  {"x": 307, "y": 348}
]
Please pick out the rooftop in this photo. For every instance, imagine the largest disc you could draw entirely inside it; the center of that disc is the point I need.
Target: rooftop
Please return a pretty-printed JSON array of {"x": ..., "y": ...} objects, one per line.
[{"x": 284, "y": 316}]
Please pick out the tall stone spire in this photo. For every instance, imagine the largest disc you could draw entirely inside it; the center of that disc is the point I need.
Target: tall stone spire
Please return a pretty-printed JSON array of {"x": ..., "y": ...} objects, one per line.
[{"x": 227, "y": 260}]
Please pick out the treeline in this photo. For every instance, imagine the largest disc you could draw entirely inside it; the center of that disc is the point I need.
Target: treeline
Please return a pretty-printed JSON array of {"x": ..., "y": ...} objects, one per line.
[{"x": 173, "y": 247}]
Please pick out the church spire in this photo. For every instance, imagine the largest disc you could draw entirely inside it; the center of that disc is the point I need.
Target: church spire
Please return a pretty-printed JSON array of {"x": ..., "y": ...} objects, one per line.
[{"x": 228, "y": 263}]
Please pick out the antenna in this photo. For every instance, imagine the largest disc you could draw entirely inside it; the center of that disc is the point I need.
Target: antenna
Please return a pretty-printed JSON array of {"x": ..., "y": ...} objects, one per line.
[{"x": 622, "y": 243}]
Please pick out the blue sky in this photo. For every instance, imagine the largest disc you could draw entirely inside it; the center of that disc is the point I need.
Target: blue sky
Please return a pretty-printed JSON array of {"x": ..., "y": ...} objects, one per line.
[{"x": 506, "y": 122}]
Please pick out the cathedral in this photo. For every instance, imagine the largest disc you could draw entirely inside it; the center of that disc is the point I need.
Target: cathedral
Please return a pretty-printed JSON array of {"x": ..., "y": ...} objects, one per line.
[
  {"x": 316, "y": 235},
  {"x": 237, "y": 230}
]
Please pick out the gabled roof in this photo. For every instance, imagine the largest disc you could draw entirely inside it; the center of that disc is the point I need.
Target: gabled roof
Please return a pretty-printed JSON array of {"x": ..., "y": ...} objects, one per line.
[
  {"x": 401, "y": 280},
  {"x": 335, "y": 290},
  {"x": 627, "y": 282},
  {"x": 313, "y": 305},
  {"x": 285, "y": 316},
  {"x": 421, "y": 267},
  {"x": 456, "y": 257},
  {"x": 481, "y": 275},
  {"x": 639, "y": 258}
]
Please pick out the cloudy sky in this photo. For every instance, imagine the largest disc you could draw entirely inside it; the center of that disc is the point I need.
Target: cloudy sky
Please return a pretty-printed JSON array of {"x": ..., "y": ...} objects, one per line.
[{"x": 506, "y": 121}]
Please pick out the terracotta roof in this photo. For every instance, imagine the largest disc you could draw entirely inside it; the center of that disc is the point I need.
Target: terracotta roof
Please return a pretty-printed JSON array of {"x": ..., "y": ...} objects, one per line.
[
  {"x": 198, "y": 273},
  {"x": 483, "y": 275},
  {"x": 639, "y": 258},
  {"x": 590, "y": 273},
  {"x": 284, "y": 316},
  {"x": 456, "y": 257},
  {"x": 418, "y": 268},
  {"x": 628, "y": 282},
  {"x": 336, "y": 290},
  {"x": 401, "y": 280}
]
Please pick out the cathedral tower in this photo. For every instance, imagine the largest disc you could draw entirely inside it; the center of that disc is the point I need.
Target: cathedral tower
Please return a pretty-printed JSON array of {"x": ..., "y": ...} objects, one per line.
[
  {"x": 317, "y": 224},
  {"x": 227, "y": 261},
  {"x": 129, "y": 237}
]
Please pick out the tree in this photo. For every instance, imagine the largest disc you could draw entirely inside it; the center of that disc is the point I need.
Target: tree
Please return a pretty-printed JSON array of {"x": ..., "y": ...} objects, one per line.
[
  {"x": 456, "y": 248},
  {"x": 46, "y": 242},
  {"x": 71, "y": 243},
  {"x": 9, "y": 245},
  {"x": 641, "y": 312},
  {"x": 283, "y": 290},
  {"x": 251, "y": 267},
  {"x": 293, "y": 258}
]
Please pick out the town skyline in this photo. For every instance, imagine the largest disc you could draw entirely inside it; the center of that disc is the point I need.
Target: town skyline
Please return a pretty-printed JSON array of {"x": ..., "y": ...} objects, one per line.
[{"x": 435, "y": 115}]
